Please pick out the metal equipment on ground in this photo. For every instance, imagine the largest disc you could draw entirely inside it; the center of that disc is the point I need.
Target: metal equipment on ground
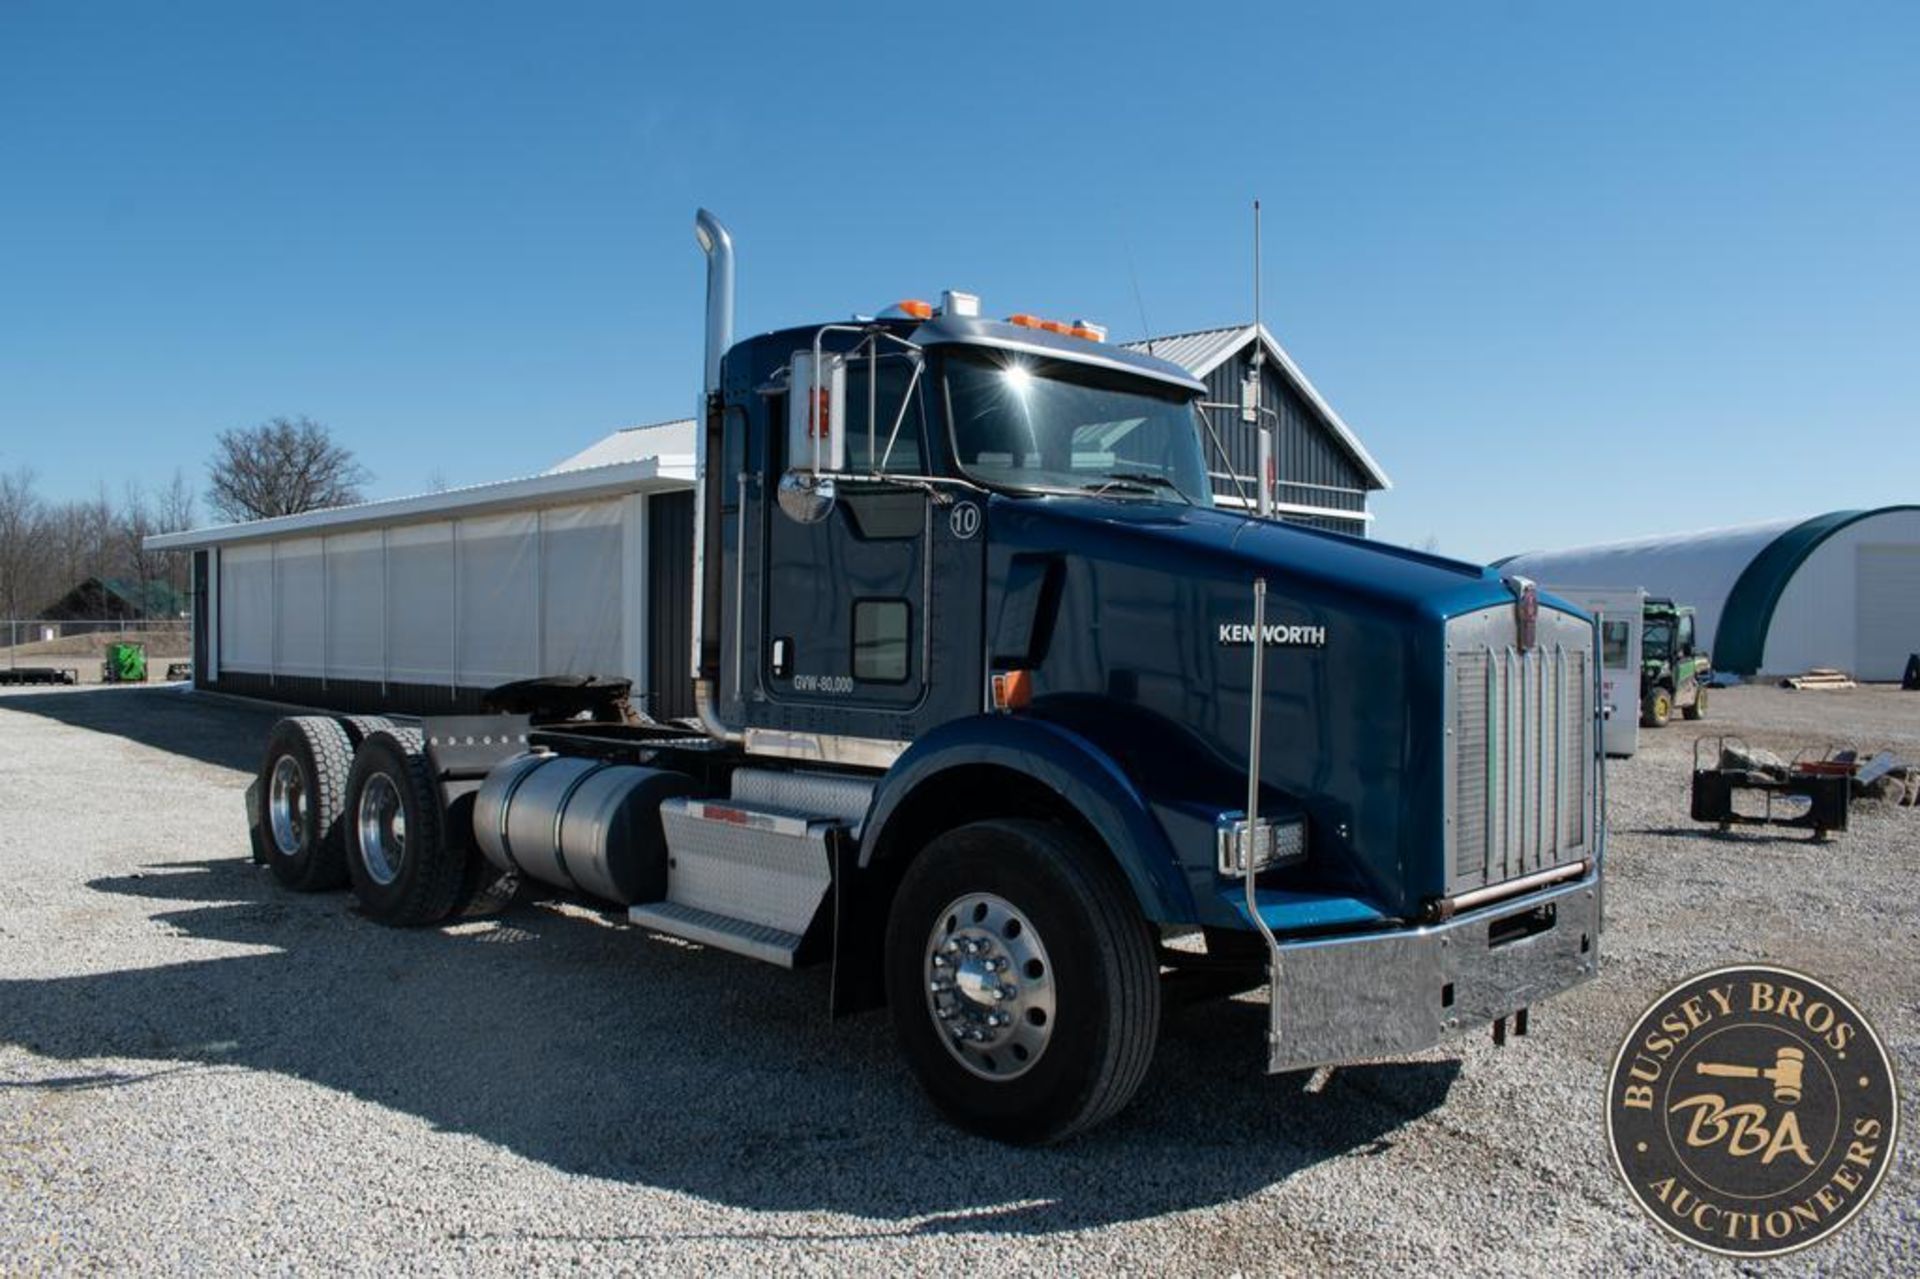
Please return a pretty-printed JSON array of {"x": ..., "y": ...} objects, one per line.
[{"x": 1808, "y": 794}]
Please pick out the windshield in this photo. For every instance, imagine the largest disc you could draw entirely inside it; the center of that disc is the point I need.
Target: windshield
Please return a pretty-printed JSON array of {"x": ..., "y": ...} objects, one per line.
[
  {"x": 1052, "y": 425},
  {"x": 1657, "y": 638}
]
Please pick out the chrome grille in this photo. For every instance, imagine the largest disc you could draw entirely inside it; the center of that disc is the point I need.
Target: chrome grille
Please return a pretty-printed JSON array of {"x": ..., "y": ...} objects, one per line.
[{"x": 1521, "y": 740}]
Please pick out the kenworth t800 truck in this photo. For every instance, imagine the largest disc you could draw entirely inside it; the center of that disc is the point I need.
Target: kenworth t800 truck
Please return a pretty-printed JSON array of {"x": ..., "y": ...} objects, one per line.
[{"x": 994, "y": 703}]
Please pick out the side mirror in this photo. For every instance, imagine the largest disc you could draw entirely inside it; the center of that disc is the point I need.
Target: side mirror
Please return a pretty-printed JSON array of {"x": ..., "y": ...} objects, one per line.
[{"x": 817, "y": 414}]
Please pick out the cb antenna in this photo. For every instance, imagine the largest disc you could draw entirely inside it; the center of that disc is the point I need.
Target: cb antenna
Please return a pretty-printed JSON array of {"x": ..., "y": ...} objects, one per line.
[{"x": 1253, "y": 395}]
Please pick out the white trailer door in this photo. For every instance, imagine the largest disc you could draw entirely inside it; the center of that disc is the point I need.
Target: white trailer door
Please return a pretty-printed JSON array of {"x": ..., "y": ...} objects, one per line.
[
  {"x": 1887, "y": 609},
  {"x": 1618, "y": 615}
]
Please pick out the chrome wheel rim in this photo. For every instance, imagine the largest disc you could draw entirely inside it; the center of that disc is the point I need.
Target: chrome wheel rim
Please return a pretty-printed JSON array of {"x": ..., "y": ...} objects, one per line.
[
  {"x": 287, "y": 806},
  {"x": 382, "y": 823},
  {"x": 989, "y": 986}
]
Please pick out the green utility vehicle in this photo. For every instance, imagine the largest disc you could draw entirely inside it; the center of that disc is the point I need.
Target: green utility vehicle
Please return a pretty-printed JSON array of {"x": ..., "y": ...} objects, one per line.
[
  {"x": 1673, "y": 672},
  {"x": 125, "y": 663}
]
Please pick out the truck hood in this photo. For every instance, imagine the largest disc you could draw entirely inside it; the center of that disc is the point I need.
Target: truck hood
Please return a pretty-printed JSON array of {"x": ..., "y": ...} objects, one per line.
[
  {"x": 1227, "y": 543},
  {"x": 1141, "y": 641}
]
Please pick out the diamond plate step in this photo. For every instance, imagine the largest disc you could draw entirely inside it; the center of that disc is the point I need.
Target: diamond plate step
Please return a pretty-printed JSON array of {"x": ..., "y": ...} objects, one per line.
[
  {"x": 689, "y": 923},
  {"x": 756, "y": 865},
  {"x": 828, "y": 795}
]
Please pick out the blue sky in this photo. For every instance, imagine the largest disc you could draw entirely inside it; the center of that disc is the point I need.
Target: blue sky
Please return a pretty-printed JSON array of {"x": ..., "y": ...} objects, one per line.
[{"x": 1571, "y": 272}]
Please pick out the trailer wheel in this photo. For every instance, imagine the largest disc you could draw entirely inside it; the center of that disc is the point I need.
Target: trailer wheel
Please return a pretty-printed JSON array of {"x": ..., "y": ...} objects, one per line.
[
  {"x": 1699, "y": 708},
  {"x": 361, "y": 727},
  {"x": 1023, "y": 981},
  {"x": 302, "y": 789},
  {"x": 405, "y": 870},
  {"x": 1657, "y": 709}
]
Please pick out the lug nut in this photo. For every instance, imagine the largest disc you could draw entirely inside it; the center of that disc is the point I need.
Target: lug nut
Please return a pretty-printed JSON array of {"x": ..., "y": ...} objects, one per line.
[
  {"x": 1009, "y": 992},
  {"x": 940, "y": 987},
  {"x": 939, "y": 961}
]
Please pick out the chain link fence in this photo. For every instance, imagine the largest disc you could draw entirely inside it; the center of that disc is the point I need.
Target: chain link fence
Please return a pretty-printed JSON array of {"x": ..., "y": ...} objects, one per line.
[{"x": 41, "y": 650}]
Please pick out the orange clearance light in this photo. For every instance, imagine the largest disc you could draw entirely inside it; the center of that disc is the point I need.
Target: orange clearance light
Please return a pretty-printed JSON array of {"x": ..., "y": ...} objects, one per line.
[
  {"x": 1078, "y": 329},
  {"x": 1012, "y": 690},
  {"x": 916, "y": 308}
]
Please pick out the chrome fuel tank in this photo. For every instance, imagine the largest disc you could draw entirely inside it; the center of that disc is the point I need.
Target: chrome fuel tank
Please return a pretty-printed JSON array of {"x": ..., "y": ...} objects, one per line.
[{"x": 579, "y": 824}]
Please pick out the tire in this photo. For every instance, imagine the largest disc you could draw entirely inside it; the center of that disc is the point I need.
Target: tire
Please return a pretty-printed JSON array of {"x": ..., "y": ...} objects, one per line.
[
  {"x": 1699, "y": 708},
  {"x": 405, "y": 872},
  {"x": 1656, "y": 709},
  {"x": 361, "y": 727},
  {"x": 1088, "y": 1009},
  {"x": 298, "y": 832}
]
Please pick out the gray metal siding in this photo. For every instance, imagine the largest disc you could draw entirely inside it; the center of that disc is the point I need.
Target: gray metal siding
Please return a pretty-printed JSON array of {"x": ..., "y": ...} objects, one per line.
[{"x": 1313, "y": 469}]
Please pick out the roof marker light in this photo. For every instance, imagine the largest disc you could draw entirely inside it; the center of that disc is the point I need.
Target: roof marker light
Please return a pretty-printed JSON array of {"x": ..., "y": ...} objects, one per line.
[
  {"x": 1078, "y": 329},
  {"x": 914, "y": 308}
]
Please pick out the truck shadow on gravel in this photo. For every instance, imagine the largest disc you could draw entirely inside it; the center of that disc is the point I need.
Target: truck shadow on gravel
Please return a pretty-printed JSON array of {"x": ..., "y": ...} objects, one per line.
[
  {"x": 572, "y": 1039},
  {"x": 214, "y": 731}
]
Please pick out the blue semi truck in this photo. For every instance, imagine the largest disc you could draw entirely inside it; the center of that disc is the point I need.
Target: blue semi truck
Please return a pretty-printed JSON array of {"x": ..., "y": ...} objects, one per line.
[{"x": 999, "y": 714}]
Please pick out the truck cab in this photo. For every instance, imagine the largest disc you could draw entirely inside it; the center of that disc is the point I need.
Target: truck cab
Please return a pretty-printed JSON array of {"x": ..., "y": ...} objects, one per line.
[{"x": 1004, "y": 720}]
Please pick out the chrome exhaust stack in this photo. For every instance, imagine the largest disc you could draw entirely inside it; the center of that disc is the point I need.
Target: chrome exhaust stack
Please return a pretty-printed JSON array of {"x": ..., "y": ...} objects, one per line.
[{"x": 717, "y": 244}]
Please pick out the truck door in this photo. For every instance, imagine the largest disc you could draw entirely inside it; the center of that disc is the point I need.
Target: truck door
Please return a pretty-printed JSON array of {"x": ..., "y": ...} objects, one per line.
[{"x": 869, "y": 631}]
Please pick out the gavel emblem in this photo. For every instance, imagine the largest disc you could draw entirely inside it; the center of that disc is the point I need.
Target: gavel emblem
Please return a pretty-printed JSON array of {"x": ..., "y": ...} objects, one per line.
[{"x": 1787, "y": 1072}]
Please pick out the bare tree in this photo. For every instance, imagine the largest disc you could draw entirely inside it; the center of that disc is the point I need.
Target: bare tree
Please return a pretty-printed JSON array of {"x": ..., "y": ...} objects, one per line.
[
  {"x": 174, "y": 511},
  {"x": 133, "y": 522},
  {"x": 281, "y": 467},
  {"x": 22, "y": 548}
]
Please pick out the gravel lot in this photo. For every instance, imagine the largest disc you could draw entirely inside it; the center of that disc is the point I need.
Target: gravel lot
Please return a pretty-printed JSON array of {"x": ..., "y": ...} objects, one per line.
[{"x": 201, "y": 1072}]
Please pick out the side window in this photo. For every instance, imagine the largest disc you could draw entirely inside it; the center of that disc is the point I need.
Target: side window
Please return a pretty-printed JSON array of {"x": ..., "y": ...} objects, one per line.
[
  {"x": 880, "y": 641},
  {"x": 1614, "y": 639},
  {"x": 1686, "y": 634},
  {"x": 873, "y": 406}
]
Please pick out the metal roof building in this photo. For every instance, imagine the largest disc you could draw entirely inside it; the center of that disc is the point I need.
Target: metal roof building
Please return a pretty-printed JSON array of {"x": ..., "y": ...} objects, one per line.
[
  {"x": 1323, "y": 472},
  {"x": 1840, "y": 590}
]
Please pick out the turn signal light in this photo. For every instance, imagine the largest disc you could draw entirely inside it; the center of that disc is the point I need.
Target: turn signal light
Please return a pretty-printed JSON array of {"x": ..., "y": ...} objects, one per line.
[{"x": 1012, "y": 690}]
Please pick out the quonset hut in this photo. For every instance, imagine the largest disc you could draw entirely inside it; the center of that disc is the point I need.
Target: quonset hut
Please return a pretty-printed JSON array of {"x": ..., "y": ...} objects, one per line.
[{"x": 1840, "y": 590}]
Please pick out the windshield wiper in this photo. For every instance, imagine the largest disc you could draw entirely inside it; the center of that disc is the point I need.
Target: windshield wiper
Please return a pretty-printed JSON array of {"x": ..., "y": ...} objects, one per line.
[{"x": 1142, "y": 481}]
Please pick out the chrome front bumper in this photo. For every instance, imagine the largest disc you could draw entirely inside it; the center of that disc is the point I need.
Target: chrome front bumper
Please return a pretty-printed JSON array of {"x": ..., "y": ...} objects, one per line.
[{"x": 1345, "y": 999}]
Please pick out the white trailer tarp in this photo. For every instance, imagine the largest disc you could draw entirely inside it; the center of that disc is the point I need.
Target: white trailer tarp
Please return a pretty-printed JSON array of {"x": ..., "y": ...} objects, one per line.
[{"x": 472, "y": 602}]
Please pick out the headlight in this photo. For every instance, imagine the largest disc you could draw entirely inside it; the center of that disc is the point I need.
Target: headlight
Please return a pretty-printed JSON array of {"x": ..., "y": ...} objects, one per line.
[{"x": 1274, "y": 842}]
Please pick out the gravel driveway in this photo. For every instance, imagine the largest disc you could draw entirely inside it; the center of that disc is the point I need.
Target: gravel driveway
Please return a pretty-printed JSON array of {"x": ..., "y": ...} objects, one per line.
[{"x": 201, "y": 1072}]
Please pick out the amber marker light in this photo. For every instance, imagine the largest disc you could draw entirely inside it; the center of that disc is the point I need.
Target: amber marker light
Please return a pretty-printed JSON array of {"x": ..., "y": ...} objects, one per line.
[{"x": 1012, "y": 690}]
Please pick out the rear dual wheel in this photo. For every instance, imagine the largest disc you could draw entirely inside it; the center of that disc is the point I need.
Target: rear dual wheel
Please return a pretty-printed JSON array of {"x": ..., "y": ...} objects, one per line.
[
  {"x": 404, "y": 868},
  {"x": 1023, "y": 980},
  {"x": 297, "y": 830}
]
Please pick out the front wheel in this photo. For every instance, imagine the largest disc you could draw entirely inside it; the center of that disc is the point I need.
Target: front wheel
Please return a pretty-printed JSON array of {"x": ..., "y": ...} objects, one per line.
[
  {"x": 1023, "y": 981},
  {"x": 1656, "y": 709}
]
